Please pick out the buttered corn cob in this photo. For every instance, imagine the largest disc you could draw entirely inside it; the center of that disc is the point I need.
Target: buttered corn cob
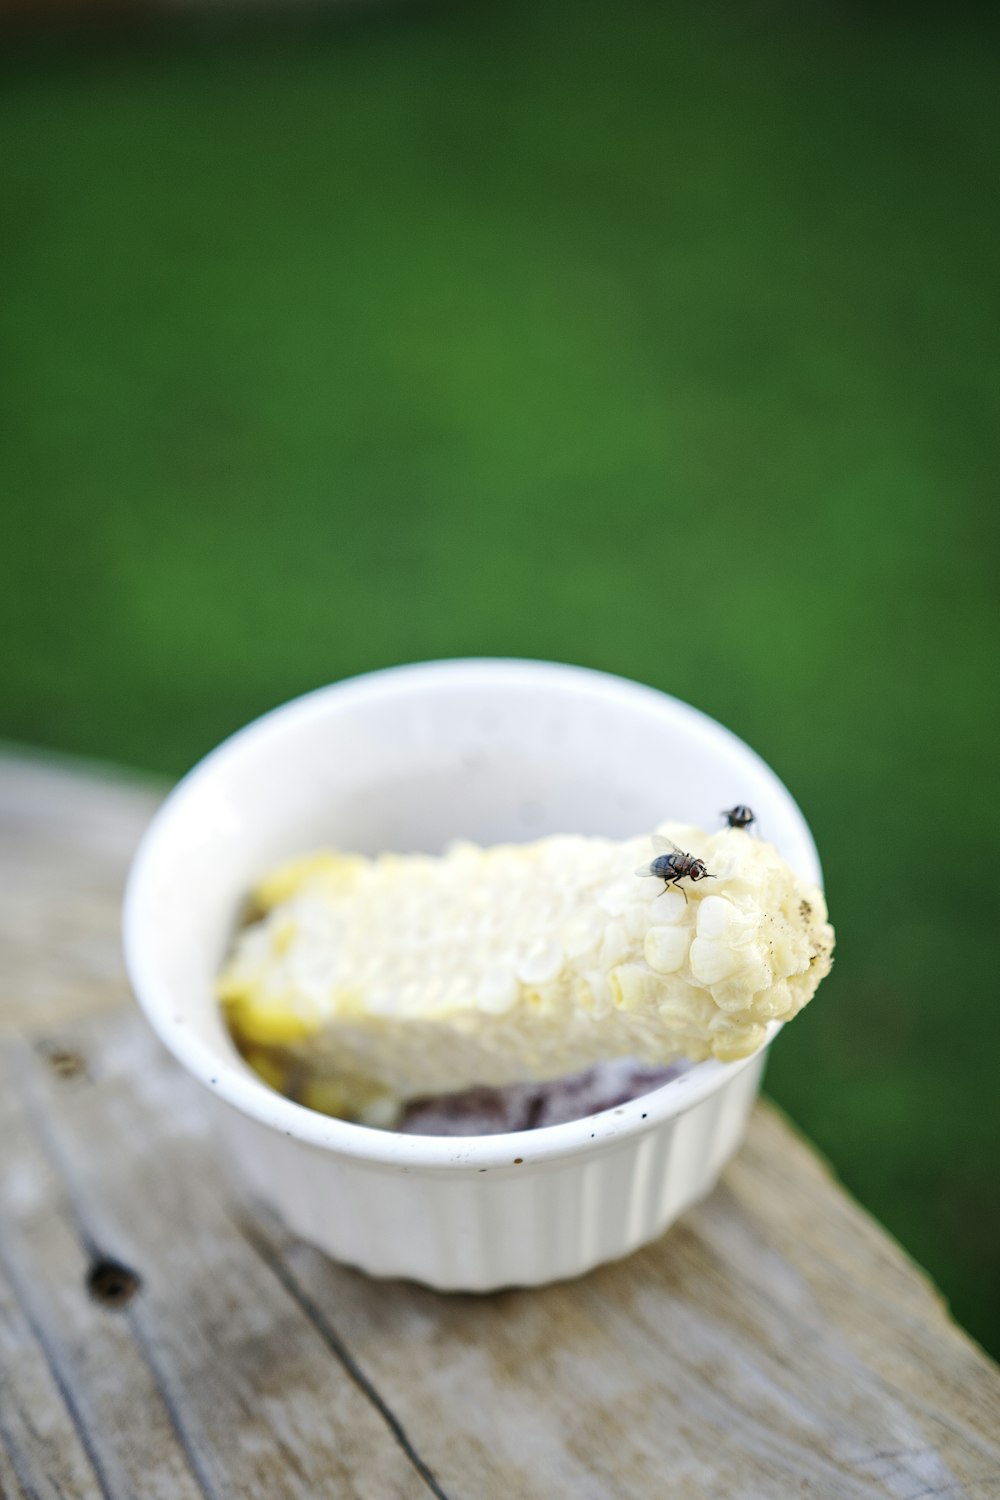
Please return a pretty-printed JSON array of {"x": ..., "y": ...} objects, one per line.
[{"x": 404, "y": 976}]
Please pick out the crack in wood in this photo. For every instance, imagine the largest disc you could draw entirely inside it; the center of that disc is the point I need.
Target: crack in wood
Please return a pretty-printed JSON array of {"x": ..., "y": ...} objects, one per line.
[
  {"x": 53, "y": 1356},
  {"x": 18, "y": 1462},
  {"x": 55, "y": 1155},
  {"x": 187, "y": 1446},
  {"x": 262, "y": 1247}
]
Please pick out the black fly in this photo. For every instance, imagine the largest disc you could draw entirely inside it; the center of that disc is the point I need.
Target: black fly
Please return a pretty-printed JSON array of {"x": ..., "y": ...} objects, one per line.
[
  {"x": 671, "y": 865},
  {"x": 739, "y": 816}
]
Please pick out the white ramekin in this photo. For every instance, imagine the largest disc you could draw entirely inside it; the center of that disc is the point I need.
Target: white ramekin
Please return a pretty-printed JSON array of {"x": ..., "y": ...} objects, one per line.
[{"x": 408, "y": 759}]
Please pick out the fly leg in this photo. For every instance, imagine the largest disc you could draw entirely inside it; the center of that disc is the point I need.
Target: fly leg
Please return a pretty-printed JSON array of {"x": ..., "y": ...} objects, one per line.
[{"x": 672, "y": 883}]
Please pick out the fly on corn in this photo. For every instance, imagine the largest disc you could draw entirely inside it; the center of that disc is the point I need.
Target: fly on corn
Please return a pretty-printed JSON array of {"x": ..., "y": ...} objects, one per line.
[{"x": 381, "y": 980}]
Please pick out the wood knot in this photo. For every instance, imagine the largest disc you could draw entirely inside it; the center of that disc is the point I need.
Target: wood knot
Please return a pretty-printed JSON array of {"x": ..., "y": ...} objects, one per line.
[
  {"x": 65, "y": 1062},
  {"x": 112, "y": 1283}
]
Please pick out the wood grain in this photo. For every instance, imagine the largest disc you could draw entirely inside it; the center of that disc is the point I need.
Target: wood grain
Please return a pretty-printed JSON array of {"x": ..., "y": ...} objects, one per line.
[
  {"x": 775, "y": 1343},
  {"x": 66, "y": 839}
]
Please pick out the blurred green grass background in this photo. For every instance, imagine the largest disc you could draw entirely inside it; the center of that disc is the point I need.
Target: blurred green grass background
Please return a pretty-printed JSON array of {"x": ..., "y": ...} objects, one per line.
[{"x": 657, "y": 339}]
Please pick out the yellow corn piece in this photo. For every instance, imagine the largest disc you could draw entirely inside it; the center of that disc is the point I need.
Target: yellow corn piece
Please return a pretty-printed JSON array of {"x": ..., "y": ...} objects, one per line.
[{"x": 424, "y": 975}]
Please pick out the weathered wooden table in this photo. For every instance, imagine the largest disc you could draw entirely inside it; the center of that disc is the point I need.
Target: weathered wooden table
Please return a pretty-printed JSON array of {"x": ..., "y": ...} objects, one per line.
[{"x": 160, "y": 1337}]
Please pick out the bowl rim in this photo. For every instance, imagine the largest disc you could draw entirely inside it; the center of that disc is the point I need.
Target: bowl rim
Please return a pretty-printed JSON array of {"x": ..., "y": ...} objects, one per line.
[{"x": 231, "y": 1080}]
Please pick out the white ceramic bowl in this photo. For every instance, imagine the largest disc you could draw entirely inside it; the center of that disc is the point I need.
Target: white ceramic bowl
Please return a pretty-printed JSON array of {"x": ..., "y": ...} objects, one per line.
[{"x": 408, "y": 759}]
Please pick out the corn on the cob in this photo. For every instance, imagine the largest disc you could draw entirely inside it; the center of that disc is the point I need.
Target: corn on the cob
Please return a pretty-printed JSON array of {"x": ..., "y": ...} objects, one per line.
[{"x": 407, "y": 975}]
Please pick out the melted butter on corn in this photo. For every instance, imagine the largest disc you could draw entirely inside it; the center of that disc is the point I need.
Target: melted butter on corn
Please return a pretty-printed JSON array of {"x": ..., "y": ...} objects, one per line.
[{"x": 410, "y": 975}]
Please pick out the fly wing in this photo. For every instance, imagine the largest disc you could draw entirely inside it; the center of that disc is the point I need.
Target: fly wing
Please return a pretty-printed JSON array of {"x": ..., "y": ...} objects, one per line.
[
  {"x": 643, "y": 870},
  {"x": 664, "y": 845}
]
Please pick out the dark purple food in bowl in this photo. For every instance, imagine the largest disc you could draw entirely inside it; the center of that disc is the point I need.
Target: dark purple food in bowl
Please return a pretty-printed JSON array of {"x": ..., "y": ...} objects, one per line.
[{"x": 530, "y": 1106}]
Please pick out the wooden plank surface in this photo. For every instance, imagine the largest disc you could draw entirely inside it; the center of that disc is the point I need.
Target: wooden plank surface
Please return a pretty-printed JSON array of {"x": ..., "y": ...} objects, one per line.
[{"x": 776, "y": 1342}]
